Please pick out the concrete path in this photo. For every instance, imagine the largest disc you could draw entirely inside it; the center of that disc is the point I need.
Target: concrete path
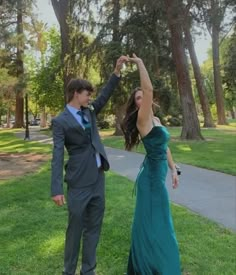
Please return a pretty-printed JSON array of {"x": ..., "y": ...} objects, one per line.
[{"x": 209, "y": 193}]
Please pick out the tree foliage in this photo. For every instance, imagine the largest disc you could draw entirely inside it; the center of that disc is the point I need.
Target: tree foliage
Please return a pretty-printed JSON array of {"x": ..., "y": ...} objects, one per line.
[
  {"x": 229, "y": 76},
  {"x": 93, "y": 34},
  {"x": 46, "y": 84}
]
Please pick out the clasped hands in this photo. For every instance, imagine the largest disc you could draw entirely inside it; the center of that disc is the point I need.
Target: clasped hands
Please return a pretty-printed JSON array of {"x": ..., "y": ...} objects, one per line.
[{"x": 124, "y": 59}]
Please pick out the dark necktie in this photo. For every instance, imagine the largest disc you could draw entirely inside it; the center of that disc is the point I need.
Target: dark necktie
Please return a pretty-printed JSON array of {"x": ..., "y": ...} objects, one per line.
[{"x": 85, "y": 122}]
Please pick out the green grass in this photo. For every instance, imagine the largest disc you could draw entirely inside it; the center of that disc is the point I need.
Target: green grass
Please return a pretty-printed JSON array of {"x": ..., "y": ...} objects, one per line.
[
  {"x": 231, "y": 122},
  {"x": 32, "y": 231},
  {"x": 216, "y": 152},
  {"x": 32, "y": 227},
  {"x": 9, "y": 143}
]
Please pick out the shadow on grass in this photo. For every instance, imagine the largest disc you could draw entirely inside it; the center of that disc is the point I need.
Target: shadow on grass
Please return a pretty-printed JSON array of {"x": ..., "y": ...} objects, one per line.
[{"x": 9, "y": 143}]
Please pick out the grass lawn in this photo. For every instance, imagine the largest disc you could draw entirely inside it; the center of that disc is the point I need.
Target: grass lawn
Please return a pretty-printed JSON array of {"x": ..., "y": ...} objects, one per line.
[
  {"x": 32, "y": 231},
  {"x": 216, "y": 152},
  {"x": 9, "y": 143},
  {"x": 32, "y": 227}
]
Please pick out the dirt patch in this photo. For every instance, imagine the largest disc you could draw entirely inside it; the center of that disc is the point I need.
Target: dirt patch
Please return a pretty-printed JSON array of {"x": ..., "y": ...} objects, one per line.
[{"x": 12, "y": 165}]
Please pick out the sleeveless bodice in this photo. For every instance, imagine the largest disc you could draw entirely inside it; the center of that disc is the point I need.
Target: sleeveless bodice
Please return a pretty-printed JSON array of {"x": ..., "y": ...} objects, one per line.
[{"x": 155, "y": 143}]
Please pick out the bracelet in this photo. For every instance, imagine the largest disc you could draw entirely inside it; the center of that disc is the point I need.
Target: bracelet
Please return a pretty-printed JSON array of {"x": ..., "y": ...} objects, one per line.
[{"x": 174, "y": 173}]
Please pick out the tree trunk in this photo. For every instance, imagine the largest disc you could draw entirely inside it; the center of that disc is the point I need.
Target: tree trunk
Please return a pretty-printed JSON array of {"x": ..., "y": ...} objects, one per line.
[
  {"x": 191, "y": 127},
  {"x": 208, "y": 121},
  {"x": 116, "y": 40},
  {"x": 217, "y": 77},
  {"x": 216, "y": 19},
  {"x": 61, "y": 9},
  {"x": 232, "y": 112},
  {"x": 43, "y": 118},
  {"x": 8, "y": 118},
  {"x": 119, "y": 113},
  {"x": 116, "y": 20},
  {"x": 19, "y": 112},
  {"x": 174, "y": 81}
]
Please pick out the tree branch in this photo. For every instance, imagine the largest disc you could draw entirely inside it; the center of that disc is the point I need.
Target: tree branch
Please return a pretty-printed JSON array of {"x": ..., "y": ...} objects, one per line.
[{"x": 223, "y": 38}]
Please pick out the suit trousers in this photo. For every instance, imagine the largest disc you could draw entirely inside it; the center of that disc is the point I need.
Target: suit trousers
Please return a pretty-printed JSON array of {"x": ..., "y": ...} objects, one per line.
[{"x": 86, "y": 207}]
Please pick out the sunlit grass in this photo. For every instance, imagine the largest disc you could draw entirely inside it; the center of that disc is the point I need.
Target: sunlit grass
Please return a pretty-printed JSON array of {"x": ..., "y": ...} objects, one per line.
[
  {"x": 184, "y": 148},
  {"x": 231, "y": 125}
]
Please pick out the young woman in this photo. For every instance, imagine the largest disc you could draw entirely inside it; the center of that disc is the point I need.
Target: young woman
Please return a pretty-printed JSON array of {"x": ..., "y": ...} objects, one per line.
[{"x": 154, "y": 249}]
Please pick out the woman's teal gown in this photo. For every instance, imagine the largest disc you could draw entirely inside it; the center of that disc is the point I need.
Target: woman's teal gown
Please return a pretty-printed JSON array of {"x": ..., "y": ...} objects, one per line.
[{"x": 154, "y": 249}]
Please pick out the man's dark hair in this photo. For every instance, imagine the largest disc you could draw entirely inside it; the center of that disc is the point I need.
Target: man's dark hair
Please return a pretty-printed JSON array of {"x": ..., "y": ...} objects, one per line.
[{"x": 77, "y": 85}]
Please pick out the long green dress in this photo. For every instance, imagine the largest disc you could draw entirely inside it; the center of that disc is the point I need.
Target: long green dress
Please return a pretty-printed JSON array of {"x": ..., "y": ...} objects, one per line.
[{"x": 154, "y": 249}]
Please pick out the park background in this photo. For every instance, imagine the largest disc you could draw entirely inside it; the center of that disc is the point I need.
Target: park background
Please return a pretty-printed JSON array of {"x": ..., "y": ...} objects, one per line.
[{"x": 197, "y": 99}]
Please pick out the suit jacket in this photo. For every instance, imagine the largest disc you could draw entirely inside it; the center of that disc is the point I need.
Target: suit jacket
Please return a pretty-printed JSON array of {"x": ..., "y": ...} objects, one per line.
[{"x": 81, "y": 168}]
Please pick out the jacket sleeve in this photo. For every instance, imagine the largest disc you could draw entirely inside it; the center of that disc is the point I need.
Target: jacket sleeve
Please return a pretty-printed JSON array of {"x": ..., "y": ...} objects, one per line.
[
  {"x": 57, "y": 159},
  {"x": 106, "y": 93}
]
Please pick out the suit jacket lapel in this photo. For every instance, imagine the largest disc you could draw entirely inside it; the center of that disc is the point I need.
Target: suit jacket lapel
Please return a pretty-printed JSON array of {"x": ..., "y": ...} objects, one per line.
[{"x": 72, "y": 121}]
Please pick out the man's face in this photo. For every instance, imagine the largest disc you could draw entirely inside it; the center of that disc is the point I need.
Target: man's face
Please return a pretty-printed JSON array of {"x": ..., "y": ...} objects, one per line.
[{"x": 83, "y": 98}]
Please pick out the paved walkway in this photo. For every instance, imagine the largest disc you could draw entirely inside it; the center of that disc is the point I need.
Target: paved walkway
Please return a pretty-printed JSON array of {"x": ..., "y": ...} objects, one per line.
[{"x": 209, "y": 193}]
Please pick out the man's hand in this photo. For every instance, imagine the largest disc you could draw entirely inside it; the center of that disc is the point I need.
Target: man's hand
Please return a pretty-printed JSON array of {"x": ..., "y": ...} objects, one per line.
[
  {"x": 59, "y": 200},
  {"x": 119, "y": 63}
]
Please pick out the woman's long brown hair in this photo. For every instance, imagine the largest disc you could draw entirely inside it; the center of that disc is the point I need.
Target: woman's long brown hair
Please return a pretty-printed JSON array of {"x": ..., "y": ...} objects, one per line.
[{"x": 128, "y": 126}]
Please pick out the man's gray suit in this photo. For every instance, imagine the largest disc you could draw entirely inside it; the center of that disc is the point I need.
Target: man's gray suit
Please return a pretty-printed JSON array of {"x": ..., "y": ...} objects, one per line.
[{"x": 85, "y": 182}]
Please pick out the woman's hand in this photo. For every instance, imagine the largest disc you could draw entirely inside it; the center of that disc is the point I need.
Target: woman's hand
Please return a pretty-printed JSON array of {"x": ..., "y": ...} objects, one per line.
[
  {"x": 135, "y": 59},
  {"x": 175, "y": 180}
]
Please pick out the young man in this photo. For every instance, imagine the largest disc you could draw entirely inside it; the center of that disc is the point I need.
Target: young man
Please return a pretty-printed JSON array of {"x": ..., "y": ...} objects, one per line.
[{"x": 76, "y": 129}]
